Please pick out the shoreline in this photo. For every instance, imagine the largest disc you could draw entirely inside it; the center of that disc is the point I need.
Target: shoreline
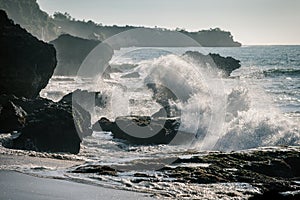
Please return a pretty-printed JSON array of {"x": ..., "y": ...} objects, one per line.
[
  {"x": 223, "y": 177},
  {"x": 16, "y": 185}
]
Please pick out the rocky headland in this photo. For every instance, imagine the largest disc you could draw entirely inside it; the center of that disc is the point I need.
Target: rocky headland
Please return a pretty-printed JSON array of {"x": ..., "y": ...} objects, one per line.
[{"x": 26, "y": 65}]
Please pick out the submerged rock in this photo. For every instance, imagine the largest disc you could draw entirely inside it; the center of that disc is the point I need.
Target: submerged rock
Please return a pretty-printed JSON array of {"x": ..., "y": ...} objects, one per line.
[
  {"x": 215, "y": 61},
  {"x": 26, "y": 63},
  {"x": 100, "y": 170}
]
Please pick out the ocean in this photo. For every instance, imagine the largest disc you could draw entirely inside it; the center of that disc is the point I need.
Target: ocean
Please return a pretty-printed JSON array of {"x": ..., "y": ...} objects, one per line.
[{"x": 258, "y": 106}]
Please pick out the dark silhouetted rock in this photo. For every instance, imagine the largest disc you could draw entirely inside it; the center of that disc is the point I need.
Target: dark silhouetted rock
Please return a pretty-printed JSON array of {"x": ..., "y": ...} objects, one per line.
[
  {"x": 50, "y": 126},
  {"x": 51, "y": 134},
  {"x": 141, "y": 129},
  {"x": 71, "y": 51},
  {"x": 12, "y": 117},
  {"x": 81, "y": 110},
  {"x": 26, "y": 64},
  {"x": 101, "y": 170},
  {"x": 86, "y": 98},
  {"x": 226, "y": 64}
]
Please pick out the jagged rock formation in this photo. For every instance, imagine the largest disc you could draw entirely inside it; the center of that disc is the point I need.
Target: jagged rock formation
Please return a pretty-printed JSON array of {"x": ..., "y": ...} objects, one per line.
[
  {"x": 26, "y": 64},
  {"x": 226, "y": 64},
  {"x": 274, "y": 171},
  {"x": 141, "y": 129},
  {"x": 50, "y": 126}
]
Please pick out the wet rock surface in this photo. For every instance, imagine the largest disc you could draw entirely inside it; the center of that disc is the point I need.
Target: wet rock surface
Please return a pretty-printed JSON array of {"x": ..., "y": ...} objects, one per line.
[
  {"x": 226, "y": 64},
  {"x": 51, "y": 129},
  {"x": 100, "y": 170},
  {"x": 273, "y": 172},
  {"x": 253, "y": 174},
  {"x": 140, "y": 129},
  {"x": 50, "y": 126}
]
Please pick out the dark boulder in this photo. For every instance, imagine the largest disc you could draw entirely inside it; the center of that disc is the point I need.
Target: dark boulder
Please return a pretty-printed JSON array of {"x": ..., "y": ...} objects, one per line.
[
  {"x": 226, "y": 64},
  {"x": 71, "y": 51},
  {"x": 52, "y": 130},
  {"x": 141, "y": 129},
  {"x": 100, "y": 170},
  {"x": 50, "y": 126},
  {"x": 26, "y": 63},
  {"x": 86, "y": 99},
  {"x": 81, "y": 109},
  {"x": 12, "y": 117},
  {"x": 82, "y": 120}
]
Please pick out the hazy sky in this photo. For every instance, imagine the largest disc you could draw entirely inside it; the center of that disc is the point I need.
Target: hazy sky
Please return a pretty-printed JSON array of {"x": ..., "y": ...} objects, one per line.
[{"x": 250, "y": 21}]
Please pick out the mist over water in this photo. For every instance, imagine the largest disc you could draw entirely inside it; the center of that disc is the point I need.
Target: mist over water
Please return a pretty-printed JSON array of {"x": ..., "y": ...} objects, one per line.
[
  {"x": 240, "y": 112},
  {"x": 257, "y": 106},
  {"x": 225, "y": 114}
]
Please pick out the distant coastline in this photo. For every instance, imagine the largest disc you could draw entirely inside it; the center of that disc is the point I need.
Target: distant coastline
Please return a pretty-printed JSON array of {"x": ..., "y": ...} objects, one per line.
[{"x": 45, "y": 27}]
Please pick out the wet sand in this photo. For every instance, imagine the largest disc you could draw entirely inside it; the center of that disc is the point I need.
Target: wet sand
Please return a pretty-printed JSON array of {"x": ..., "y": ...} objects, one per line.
[{"x": 17, "y": 186}]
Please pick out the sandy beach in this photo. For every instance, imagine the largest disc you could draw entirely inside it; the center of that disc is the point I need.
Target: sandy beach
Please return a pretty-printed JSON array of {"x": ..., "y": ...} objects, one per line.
[{"x": 15, "y": 186}]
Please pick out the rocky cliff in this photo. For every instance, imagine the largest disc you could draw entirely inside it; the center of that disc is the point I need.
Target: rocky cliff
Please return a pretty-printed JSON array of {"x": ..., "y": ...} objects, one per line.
[
  {"x": 71, "y": 51},
  {"x": 26, "y": 63}
]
